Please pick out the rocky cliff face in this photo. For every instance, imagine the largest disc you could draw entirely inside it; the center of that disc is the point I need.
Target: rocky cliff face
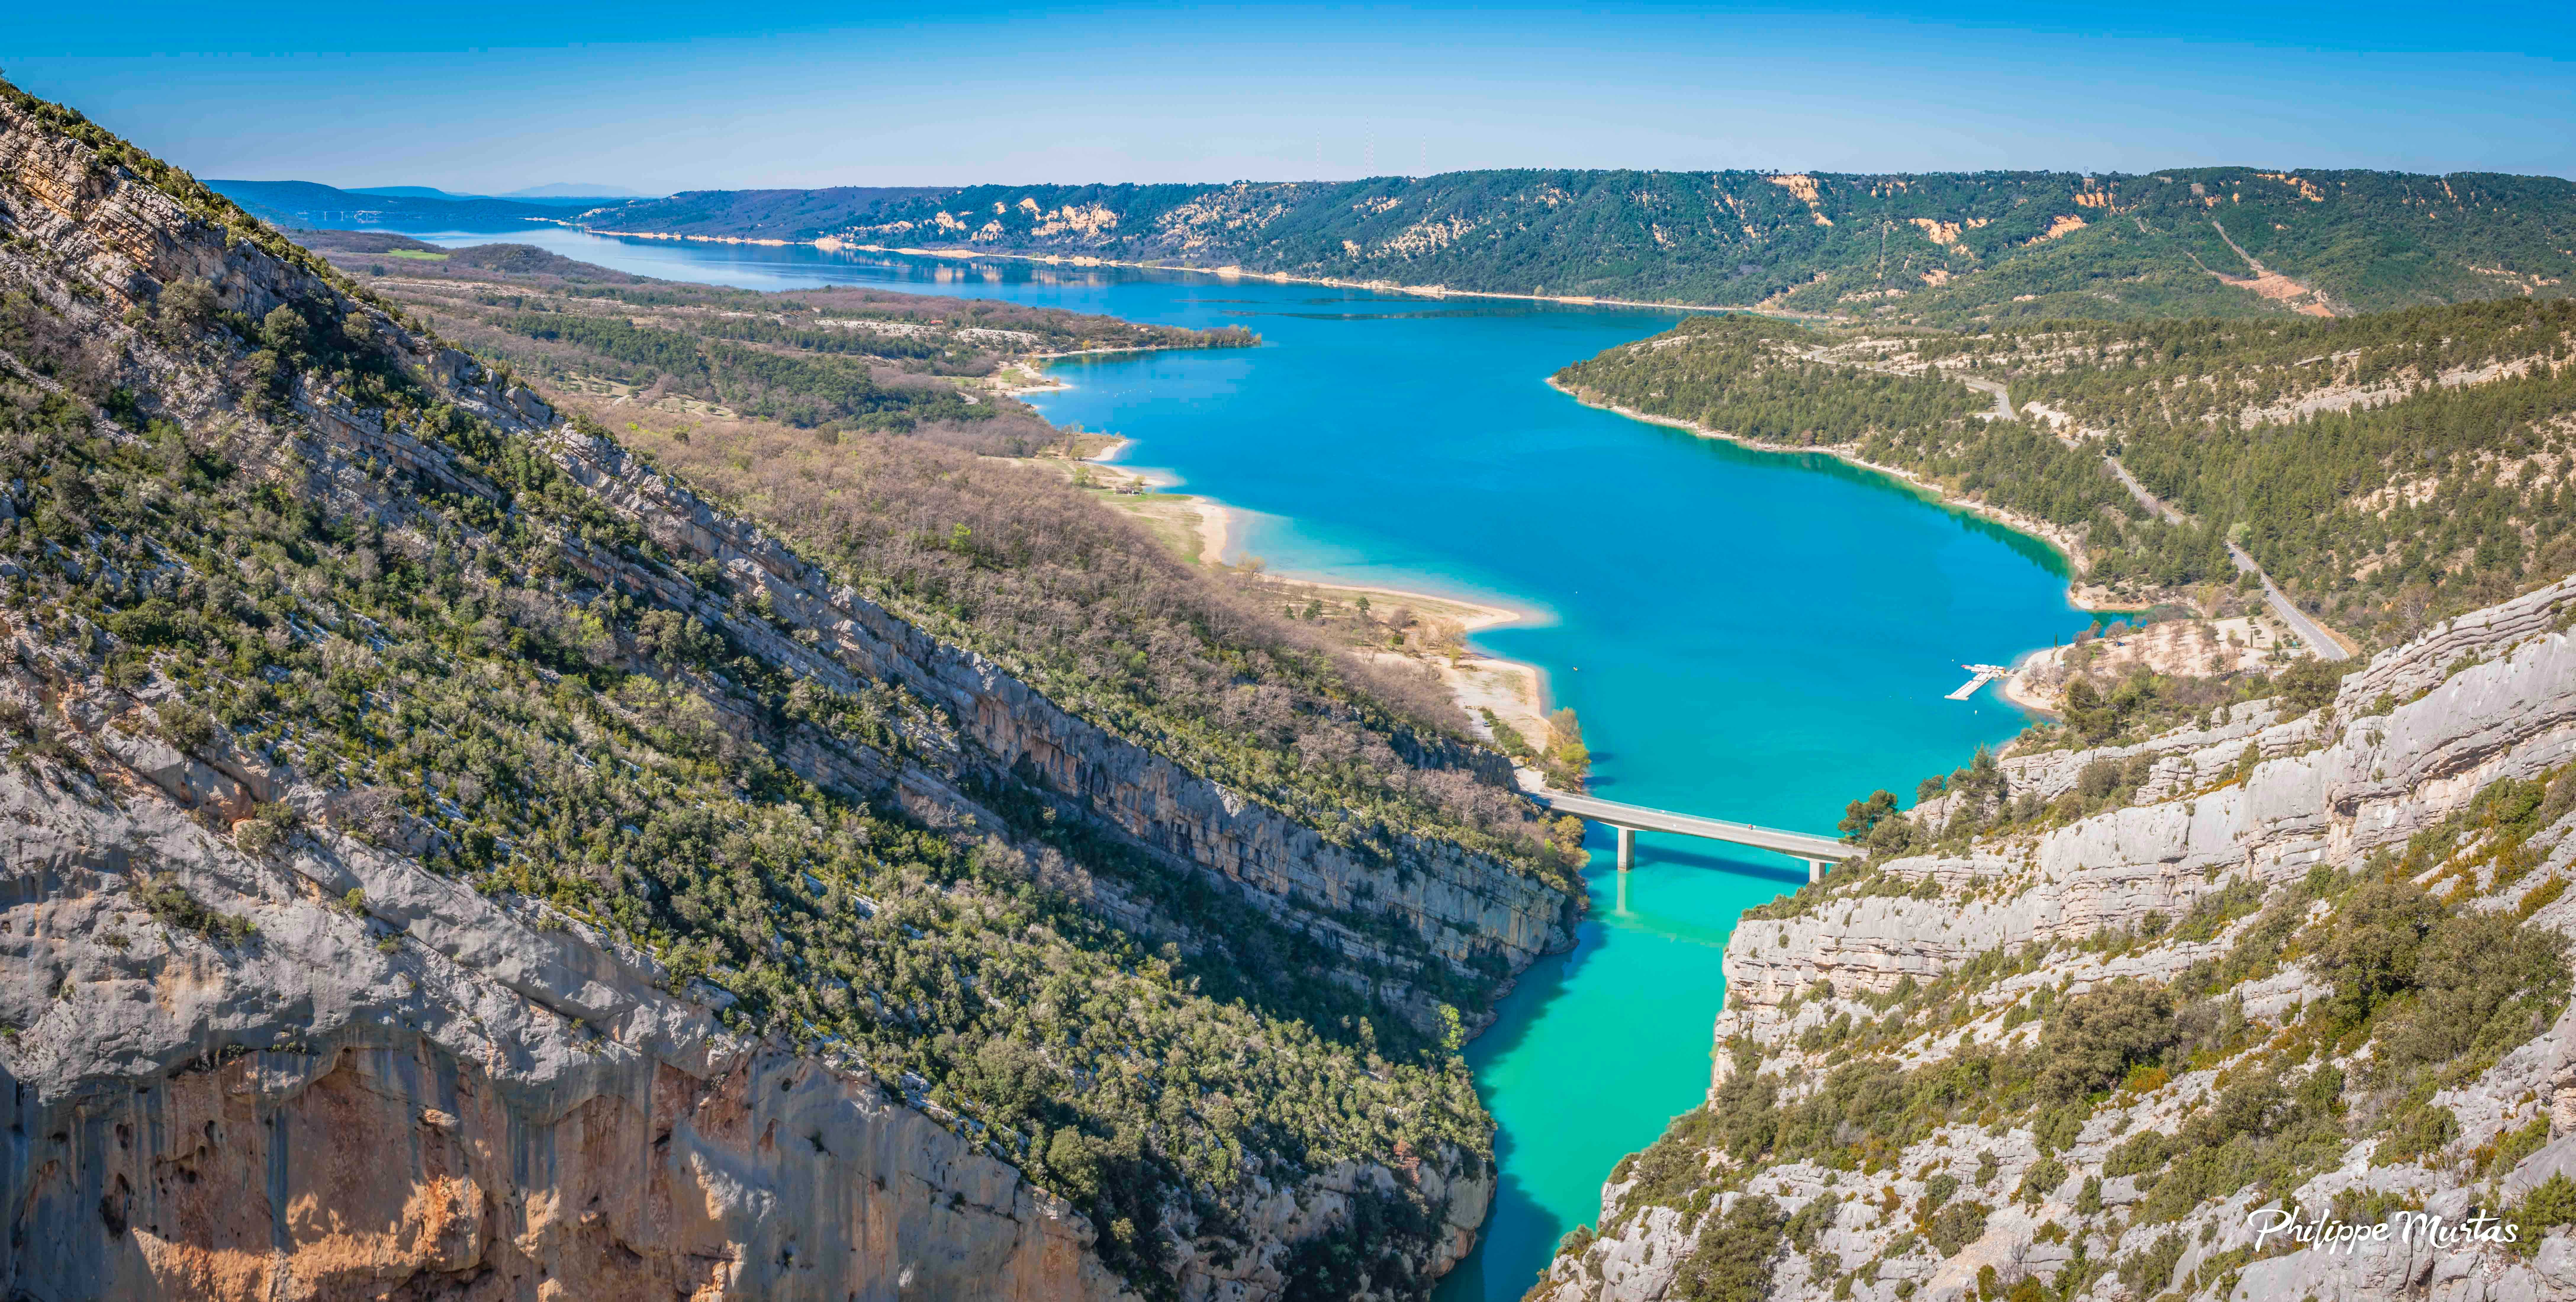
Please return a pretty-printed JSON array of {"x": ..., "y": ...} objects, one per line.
[
  {"x": 474, "y": 1100},
  {"x": 303, "y": 1064},
  {"x": 1458, "y": 907},
  {"x": 1931, "y": 1013}
]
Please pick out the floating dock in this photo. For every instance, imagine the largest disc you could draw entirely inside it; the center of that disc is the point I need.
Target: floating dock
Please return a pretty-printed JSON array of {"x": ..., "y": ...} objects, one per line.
[{"x": 1984, "y": 674}]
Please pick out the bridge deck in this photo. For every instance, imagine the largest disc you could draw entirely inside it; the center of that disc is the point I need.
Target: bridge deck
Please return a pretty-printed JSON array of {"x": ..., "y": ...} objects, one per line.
[{"x": 1796, "y": 844}]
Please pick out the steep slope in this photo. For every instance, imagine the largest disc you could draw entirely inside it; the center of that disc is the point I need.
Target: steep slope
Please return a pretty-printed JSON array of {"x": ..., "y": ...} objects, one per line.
[
  {"x": 838, "y": 359},
  {"x": 2314, "y": 962},
  {"x": 449, "y": 856},
  {"x": 1935, "y": 247}
]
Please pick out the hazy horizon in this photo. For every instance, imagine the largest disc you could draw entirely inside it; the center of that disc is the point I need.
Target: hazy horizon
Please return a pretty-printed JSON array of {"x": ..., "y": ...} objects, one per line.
[{"x": 654, "y": 98}]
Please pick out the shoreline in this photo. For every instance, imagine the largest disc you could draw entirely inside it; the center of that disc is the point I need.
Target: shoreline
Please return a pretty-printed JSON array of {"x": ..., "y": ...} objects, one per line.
[
  {"x": 832, "y": 244},
  {"x": 2079, "y": 594},
  {"x": 2082, "y": 596},
  {"x": 1515, "y": 690}
]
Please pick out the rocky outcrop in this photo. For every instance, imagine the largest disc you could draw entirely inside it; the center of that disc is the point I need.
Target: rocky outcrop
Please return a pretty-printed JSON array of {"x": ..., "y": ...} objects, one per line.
[
  {"x": 328, "y": 1071},
  {"x": 2411, "y": 740},
  {"x": 440, "y": 1093},
  {"x": 1460, "y": 906},
  {"x": 2327, "y": 790}
]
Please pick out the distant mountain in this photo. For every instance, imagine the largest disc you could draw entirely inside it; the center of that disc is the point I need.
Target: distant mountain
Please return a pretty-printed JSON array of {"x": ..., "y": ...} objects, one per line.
[
  {"x": 573, "y": 190},
  {"x": 558, "y": 195},
  {"x": 304, "y": 204},
  {"x": 1947, "y": 248},
  {"x": 773, "y": 214},
  {"x": 412, "y": 192}
]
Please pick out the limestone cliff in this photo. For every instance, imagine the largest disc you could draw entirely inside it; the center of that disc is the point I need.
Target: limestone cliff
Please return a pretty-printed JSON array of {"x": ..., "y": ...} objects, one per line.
[
  {"x": 1947, "y": 1021},
  {"x": 439, "y": 1093},
  {"x": 263, "y": 1036}
]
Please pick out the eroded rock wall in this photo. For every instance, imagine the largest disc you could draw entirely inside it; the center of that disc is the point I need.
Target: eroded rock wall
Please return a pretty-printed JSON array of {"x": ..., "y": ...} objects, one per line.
[
  {"x": 2411, "y": 740},
  {"x": 474, "y": 1100},
  {"x": 432, "y": 1093},
  {"x": 2328, "y": 791}
]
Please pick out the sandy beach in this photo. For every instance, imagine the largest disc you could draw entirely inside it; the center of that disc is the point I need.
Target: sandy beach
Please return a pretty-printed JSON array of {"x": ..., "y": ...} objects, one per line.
[
  {"x": 1216, "y": 530},
  {"x": 1516, "y": 692}
]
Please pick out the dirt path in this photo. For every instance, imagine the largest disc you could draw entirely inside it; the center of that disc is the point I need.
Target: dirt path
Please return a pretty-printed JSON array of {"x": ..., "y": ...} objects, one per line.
[{"x": 2269, "y": 283}]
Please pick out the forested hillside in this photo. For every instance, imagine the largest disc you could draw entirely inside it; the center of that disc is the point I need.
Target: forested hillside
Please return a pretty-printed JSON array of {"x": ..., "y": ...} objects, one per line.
[
  {"x": 829, "y": 360},
  {"x": 2389, "y": 470},
  {"x": 1937, "y": 247},
  {"x": 913, "y": 776}
]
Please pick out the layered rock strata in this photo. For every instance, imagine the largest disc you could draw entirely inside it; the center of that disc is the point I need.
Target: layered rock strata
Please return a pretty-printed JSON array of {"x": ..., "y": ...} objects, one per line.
[
  {"x": 406, "y": 1088},
  {"x": 2252, "y": 803}
]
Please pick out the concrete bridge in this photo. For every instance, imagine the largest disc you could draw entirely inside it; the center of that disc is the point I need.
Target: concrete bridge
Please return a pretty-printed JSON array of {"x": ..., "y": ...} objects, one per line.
[{"x": 1820, "y": 852}]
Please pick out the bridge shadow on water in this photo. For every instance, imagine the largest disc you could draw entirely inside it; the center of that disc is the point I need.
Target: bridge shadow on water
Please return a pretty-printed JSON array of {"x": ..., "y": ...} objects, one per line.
[{"x": 1759, "y": 866}]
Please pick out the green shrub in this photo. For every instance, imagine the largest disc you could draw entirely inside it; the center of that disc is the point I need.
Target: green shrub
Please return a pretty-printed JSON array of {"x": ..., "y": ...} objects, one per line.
[
  {"x": 2148, "y": 1270},
  {"x": 2421, "y": 1131},
  {"x": 2041, "y": 1180},
  {"x": 185, "y": 726},
  {"x": 1811, "y": 1219},
  {"x": 1956, "y": 1226},
  {"x": 1733, "y": 1260},
  {"x": 2550, "y": 1203},
  {"x": 174, "y": 905},
  {"x": 2093, "y": 1039}
]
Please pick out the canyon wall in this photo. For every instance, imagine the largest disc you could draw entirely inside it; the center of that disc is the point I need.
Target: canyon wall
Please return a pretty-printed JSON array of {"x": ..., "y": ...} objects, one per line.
[
  {"x": 1962, "y": 960},
  {"x": 327, "y": 1071}
]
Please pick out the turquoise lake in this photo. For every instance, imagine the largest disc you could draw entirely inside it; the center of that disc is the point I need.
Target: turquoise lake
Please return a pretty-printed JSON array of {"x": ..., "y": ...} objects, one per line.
[{"x": 1745, "y": 635}]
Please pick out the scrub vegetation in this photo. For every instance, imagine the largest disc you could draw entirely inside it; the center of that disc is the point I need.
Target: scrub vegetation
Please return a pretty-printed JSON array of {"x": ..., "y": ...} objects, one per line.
[
  {"x": 1941, "y": 248},
  {"x": 480, "y": 663},
  {"x": 841, "y": 359},
  {"x": 2389, "y": 471},
  {"x": 2420, "y": 986}
]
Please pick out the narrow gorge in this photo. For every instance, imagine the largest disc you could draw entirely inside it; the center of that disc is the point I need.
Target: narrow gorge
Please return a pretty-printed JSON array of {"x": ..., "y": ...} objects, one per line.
[{"x": 2301, "y": 955}]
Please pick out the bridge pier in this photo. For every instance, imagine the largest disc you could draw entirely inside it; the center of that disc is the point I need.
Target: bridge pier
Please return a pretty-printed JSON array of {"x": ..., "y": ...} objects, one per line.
[
  {"x": 1816, "y": 870},
  {"x": 1627, "y": 848}
]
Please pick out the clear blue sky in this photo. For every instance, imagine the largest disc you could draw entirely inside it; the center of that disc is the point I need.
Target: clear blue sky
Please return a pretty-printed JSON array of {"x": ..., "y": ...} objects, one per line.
[{"x": 487, "y": 97}]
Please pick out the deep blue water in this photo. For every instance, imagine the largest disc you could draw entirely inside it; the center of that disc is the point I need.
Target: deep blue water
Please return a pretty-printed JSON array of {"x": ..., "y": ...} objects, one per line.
[{"x": 1745, "y": 635}]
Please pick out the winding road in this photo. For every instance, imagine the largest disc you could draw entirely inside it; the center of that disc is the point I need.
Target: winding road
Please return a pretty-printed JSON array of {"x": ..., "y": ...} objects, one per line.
[{"x": 2311, "y": 632}]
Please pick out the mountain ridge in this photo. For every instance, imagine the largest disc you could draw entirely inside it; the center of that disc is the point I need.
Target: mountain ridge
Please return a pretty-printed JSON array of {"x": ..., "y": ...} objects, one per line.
[
  {"x": 1947, "y": 249},
  {"x": 1937, "y": 248}
]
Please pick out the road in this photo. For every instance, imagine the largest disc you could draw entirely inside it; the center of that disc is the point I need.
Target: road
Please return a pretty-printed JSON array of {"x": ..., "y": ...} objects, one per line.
[
  {"x": 2309, "y": 631},
  {"x": 2313, "y": 633},
  {"x": 2003, "y": 398}
]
